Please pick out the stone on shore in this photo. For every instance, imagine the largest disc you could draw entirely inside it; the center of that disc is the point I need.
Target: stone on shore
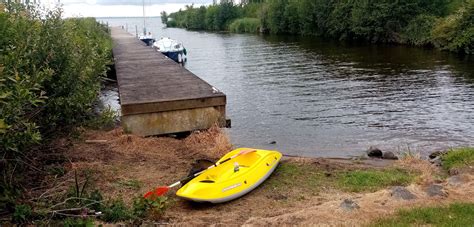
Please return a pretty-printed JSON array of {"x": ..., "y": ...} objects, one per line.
[
  {"x": 374, "y": 152},
  {"x": 437, "y": 154},
  {"x": 435, "y": 190},
  {"x": 389, "y": 155},
  {"x": 349, "y": 205},
  {"x": 400, "y": 192},
  {"x": 455, "y": 180}
]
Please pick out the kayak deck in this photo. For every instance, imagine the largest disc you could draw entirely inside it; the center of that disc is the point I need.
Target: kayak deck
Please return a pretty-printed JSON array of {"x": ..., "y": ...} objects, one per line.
[{"x": 233, "y": 178}]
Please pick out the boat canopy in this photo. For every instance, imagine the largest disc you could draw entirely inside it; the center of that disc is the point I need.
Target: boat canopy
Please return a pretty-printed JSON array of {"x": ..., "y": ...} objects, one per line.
[{"x": 168, "y": 45}]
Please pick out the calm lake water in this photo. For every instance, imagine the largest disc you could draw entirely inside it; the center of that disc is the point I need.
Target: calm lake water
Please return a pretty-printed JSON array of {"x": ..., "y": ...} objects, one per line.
[{"x": 331, "y": 99}]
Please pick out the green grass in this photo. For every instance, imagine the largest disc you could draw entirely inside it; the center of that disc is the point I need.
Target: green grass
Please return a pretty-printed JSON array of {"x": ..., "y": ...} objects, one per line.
[
  {"x": 373, "y": 180},
  {"x": 307, "y": 178},
  {"x": 300, "y": 176},
  {"x": 458, "y": 158},
  {"x": 457, "y": 214}
]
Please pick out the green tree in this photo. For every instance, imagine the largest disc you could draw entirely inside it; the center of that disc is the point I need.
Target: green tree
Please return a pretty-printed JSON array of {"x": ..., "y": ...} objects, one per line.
[{"x": 164, "y": 17}]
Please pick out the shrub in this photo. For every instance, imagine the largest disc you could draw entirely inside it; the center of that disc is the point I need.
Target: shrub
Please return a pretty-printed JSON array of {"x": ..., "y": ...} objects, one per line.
[
  {"x": 150, "y": 207},
  {"x": 418, "y": 31},
  {"x": 50, "y": 75},
  {"x": 456, "y": 32},
  {"x": 50, "y": 72},
  {"x": 247, "y": 25},
  {"x": 116, "y": 211}
]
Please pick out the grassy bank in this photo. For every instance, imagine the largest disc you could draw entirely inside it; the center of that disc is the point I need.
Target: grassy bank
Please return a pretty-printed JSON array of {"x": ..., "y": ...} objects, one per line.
[
  {"x": 444, "y": 24},
  {"x": 458, "y": 158},
  {"x": 111, "y": 176},
  {"x": 307, "y": 178},
  {"x": 456, "y": 214}
]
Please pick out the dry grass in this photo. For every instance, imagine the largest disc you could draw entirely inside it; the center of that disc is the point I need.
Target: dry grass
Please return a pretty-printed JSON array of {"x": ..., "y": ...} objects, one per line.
[
  {"x": 427, "y": 171},
  {"x": 122, "y": 159},
  {"x": 213, "y": 142}
]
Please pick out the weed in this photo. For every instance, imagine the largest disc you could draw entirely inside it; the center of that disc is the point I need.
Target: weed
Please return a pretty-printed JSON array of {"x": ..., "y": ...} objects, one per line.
[
  {"x": 22, "y": 213},
  {"x": 106, "y": 119},
  {"x": 116, "y": 211},
  {"x": 372, "y": 180},
  {"x": 457, "y": 214},
  {"x": 150, "y": 207},
  {"x": 96, "y": 196},
  {"x": 77, "y": 222},
  {"x": 458, "y": 158},
  {"x": 132, "y": 184}
]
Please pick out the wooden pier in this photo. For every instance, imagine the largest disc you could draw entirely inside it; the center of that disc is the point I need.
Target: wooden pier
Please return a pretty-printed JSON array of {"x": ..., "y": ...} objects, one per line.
[{"x": 157, "y": 95}]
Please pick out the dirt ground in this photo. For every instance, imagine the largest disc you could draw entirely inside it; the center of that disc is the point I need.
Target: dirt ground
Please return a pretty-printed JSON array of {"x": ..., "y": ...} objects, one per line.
[{"x": 127, "y": 166}]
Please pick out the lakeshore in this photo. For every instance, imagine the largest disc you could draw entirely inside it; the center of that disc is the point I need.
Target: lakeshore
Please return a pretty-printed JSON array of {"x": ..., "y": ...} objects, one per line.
[{"x": 302, "y": 190}]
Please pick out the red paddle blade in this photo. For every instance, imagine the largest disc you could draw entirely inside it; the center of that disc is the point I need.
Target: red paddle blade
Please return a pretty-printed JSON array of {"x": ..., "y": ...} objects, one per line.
[{"x": 157, "y": 192}]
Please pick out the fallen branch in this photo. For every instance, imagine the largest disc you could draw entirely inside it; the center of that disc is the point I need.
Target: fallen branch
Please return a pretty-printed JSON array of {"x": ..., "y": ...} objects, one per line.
[
  {"x": 74, "y": 198},
  {"x": 96, "y": 141}
]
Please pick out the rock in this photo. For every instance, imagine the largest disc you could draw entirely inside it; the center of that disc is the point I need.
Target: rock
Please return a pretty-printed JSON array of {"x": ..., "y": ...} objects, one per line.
[
  {"x": 389, "y": 155},
  {"x": 435, "y": 190},
  {"x": 349, "y": 205},
  {"x": 437, "y": 154},
  {"x": 455, "y": 180},
  {"x": 402, "y": 193},
  {"x": 273, "y": 142},
  {"x": 436, "y": 161},
  {"x": 453, "y": 172},
  {"x": 374, "y": 152}
]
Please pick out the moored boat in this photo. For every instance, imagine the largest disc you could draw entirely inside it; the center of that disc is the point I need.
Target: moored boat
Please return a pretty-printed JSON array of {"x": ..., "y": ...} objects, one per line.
[
  {"x": 172, "y": 49},
  {"x": 232, "y": 179},
  {"x": 147, "y": 39}
]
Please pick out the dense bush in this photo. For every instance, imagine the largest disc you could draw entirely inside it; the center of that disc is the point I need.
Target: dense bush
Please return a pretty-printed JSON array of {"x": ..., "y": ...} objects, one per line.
[
  {"x": 381, "y": 21},
  {"x": 418, "y": 30},
  {"x": 50, "y": 72},
  {"x": 456, "y": 32},
  {"x": 214, "y": 17},
  {"x": 50, "y": 75}
]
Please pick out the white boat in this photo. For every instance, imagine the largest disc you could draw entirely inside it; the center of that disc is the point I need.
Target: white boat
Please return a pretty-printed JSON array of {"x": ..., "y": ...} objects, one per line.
[
  {"x": 172, "y": 49},
  {"x": 148, "y": 39}
]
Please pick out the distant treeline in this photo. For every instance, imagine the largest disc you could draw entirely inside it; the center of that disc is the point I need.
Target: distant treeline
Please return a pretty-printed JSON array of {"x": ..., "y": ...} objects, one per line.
[{"x": 445, "y": 24}]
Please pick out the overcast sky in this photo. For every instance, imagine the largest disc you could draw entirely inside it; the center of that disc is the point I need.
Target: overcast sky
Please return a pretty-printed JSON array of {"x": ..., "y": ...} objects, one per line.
[{"x": 124, "y": 8}]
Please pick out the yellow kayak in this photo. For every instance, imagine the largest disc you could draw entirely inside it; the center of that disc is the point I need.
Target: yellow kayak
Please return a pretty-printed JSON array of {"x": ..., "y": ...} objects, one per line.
[{"x": 233, "y": 178}]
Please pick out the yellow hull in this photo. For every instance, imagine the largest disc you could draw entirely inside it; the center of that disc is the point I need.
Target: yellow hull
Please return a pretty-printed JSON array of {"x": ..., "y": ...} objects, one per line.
[{"x": 233, "y": 178}]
